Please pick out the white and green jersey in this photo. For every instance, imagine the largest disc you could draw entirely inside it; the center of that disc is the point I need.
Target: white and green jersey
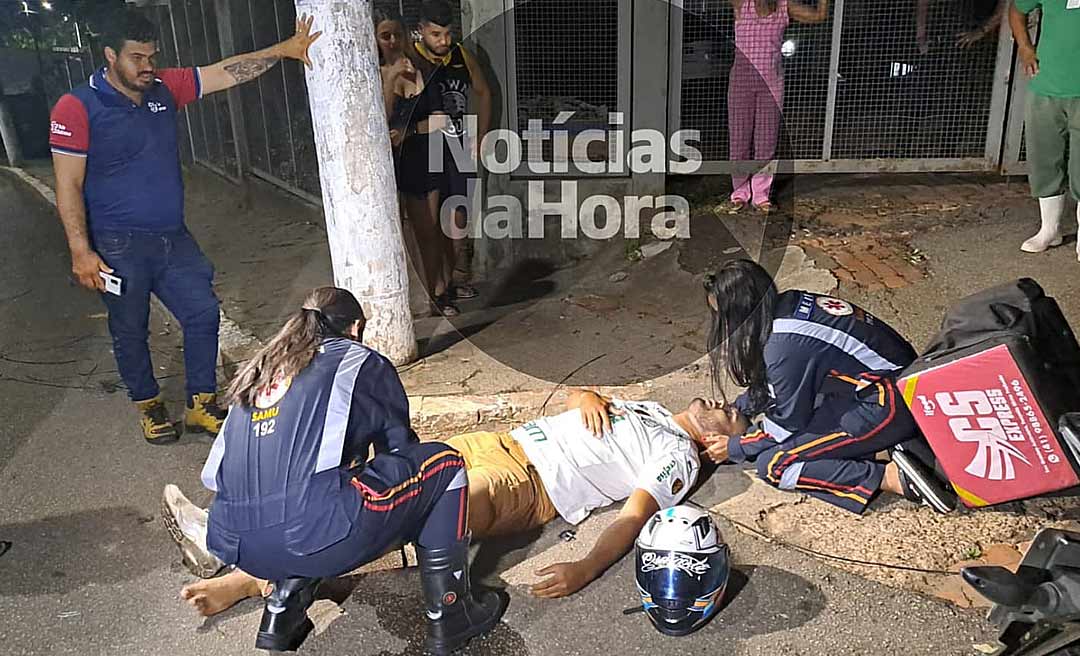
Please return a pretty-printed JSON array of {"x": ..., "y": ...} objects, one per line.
[{"x": 645, "y": 449}]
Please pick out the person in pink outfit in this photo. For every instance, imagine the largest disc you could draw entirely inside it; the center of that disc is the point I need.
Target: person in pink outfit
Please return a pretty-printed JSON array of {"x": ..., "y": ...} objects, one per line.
[{"x": 756, "y": 90}]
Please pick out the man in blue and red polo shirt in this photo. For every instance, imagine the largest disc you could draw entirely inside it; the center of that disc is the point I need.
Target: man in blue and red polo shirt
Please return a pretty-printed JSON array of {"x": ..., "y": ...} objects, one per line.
[{"x": 120, "y": 194}]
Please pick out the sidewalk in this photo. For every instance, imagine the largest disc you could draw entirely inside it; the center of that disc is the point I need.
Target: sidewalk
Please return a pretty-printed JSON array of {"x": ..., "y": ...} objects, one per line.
[
  {"x": 503, "y": 356},
  {"x": 905, "y": 248}
]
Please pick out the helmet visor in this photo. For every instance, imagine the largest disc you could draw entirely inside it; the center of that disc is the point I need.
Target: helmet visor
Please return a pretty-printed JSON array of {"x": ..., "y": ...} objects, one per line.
[{"x": 679, "y": 580}]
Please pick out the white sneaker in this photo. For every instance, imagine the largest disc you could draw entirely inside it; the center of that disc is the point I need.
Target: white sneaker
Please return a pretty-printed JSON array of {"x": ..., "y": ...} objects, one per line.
[
  {"x": 186, "y": 524},
  {"x": 920, "y": 484}
]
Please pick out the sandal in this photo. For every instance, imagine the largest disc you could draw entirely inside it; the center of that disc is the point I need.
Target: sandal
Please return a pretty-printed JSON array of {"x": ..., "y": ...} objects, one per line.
[
  {"x": 731, "y": 206},
  {"x": 765, "y": 207},
  {"x": 463, "y": 292},
  {"x": 444, "y": 307}
]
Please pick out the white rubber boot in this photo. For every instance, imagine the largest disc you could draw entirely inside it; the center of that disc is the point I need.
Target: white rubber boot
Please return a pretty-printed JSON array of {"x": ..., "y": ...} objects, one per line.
[{"x": 1050, "y": 210}]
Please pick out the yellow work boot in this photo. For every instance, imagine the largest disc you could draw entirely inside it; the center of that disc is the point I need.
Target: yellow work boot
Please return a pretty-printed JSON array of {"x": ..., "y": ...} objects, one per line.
[
  {"x": 154, "y": 419},
  {"x": 203, "y": 414}
]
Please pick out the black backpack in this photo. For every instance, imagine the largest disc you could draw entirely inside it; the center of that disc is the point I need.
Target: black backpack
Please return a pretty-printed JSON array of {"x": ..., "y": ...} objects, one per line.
[{"x": 1016, "y": 311}]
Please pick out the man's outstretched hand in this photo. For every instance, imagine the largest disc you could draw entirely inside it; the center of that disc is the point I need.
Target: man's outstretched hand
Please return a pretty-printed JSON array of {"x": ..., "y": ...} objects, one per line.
[
  {"x": 563, "y": 579},
  {"x": 297, "y": 46},
  {"x": 969, "y": 38},
  {"x": 614, "y": 542}
]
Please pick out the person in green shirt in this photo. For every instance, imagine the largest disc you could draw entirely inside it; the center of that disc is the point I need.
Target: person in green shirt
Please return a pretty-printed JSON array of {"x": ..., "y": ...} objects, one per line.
[{"x": 1052, "y": 118}]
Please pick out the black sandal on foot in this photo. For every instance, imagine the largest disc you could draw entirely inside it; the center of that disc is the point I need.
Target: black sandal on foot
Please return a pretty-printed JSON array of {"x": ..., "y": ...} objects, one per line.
[
  {"x": 444, "y": 307},
  {"x": 463, "y": 292}
]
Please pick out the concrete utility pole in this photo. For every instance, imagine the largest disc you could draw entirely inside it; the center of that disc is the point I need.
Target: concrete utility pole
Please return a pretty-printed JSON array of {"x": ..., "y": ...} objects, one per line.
[{"x": 360, "y": 199}]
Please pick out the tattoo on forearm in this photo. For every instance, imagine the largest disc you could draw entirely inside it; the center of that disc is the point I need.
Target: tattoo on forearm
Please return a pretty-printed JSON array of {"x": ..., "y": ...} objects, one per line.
[{"x": 246, "y": 70}]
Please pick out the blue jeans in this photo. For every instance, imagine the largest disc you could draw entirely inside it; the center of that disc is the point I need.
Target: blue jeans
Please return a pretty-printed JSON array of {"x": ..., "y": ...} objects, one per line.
[{"x": 171, "y": 265}]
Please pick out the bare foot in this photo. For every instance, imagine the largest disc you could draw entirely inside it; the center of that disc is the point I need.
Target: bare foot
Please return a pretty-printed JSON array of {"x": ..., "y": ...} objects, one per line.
[
  {"x": 211, "y": 596},
  {"x": 891, "y": 481}
]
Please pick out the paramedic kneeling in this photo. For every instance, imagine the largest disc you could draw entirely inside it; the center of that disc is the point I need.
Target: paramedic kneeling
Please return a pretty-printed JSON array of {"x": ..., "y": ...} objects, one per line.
[
  {"x": 821, "y": 372},
  {"x": 289, "y": 509}
]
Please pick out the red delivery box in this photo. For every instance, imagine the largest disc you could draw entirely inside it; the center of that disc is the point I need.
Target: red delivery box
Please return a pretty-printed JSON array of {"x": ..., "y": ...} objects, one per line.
[{"x": 988, "y": 424}]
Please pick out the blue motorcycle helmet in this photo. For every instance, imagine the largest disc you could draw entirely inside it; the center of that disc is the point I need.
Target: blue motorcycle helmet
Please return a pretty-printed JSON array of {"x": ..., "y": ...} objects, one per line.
[{"x": 682, "y": 569}]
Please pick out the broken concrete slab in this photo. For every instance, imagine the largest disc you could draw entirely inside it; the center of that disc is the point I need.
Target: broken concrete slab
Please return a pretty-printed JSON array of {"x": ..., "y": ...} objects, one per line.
[
  {"x": 655, "y": 248},
  {"x": 798, "y": 271},
  {"x": 955, "y": 590}
]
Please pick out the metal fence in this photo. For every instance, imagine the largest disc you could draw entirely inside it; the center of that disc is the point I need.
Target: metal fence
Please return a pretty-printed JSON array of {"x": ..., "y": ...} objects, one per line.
[
  {"x": 703, "y": 70},
  {"x": 569, "y": 56},
  {"x": 270, "y": 115},
  {"x": 860, "y": 94},
  {"x": 1014, "y": 152},
  {"x": 193, "y": 29},
  {"x": 861, "y": 91},
  {"x": 65, "y": 69},
  {"x": 46, "y": 75}
]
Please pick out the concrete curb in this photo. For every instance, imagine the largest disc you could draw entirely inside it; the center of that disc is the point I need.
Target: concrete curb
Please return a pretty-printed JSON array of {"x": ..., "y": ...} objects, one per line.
[
  {"x": 46, "y": 192},
  {"x": 435, "y": 417},
  {"x": 439, "y": 417},
  {"x": 432, "y": 416},
  {"x": 235, "y": 344}
]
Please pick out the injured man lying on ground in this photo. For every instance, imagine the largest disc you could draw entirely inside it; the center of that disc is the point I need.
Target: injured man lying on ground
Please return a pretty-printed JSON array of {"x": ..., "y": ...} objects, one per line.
[{"x": 599, "y": 451}]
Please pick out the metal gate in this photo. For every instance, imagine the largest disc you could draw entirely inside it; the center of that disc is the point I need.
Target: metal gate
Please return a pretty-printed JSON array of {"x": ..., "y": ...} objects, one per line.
[
  {"x": 567, "y": 56},
  {"x": 1014, "y": 155},
  {"x": 860, "y": 95}
]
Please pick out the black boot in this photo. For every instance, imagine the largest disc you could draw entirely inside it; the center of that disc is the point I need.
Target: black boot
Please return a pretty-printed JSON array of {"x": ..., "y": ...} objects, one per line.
[
  {"x": 454, "y": 614},
  {"x": 285, "y": 623}
]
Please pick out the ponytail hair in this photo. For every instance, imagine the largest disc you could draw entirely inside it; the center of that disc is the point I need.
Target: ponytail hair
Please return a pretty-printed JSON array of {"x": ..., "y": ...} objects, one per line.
[{"x": 326, "y": 312}]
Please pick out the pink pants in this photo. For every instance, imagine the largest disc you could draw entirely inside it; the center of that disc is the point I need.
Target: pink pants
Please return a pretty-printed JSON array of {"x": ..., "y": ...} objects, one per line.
[{"x": 754, "y": 110}]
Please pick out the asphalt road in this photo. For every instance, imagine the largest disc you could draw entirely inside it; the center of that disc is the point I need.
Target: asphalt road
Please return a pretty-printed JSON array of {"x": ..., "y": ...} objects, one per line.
[{"x": 92, "y": 572}]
